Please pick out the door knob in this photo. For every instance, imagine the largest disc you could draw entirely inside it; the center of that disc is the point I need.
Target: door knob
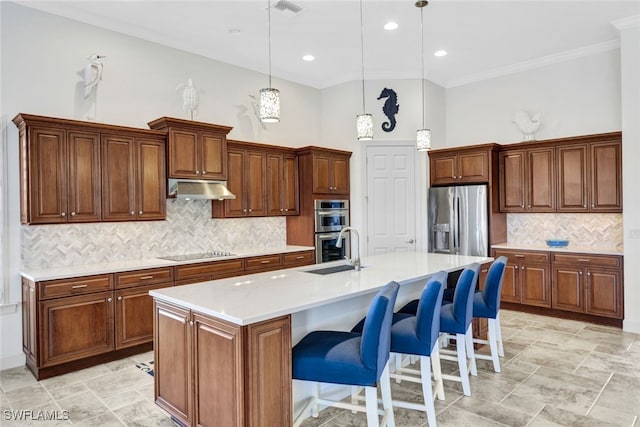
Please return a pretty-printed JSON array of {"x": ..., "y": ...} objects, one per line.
[{"x": 410, "y": 241}]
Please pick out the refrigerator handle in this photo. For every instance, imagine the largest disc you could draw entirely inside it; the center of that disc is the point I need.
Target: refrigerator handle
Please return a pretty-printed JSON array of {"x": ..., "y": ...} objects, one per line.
[{"x": 456, "y": 214}]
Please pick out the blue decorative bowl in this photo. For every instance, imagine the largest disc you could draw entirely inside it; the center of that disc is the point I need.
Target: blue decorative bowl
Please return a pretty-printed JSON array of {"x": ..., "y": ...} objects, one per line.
[{"x": 557, "y": 243}]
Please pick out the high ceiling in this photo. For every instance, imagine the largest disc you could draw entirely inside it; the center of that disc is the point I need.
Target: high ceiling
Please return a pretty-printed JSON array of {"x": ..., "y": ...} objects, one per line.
[{"x": 483, "y": 38}]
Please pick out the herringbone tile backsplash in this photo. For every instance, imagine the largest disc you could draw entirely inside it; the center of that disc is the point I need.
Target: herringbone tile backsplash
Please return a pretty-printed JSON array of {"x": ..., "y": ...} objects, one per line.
[
  {"x": 188, "y": 228},
  {"x": 592, "y": 230}
]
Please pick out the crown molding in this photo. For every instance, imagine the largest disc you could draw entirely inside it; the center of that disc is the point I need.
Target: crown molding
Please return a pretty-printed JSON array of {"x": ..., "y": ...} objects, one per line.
[
  {"x": 627, "y": 23},
  {"x": 537, "y": 63}
]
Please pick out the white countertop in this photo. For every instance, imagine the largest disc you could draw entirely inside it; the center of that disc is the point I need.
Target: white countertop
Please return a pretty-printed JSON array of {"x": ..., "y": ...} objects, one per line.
[
  {"x": 257, "y": 297},
  {"x": 568, "y": 249},
  {"x": 38, "y": 275}
]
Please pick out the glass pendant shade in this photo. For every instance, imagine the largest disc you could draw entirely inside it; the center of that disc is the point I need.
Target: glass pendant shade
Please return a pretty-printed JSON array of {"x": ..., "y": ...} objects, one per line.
[
  {"x": 423, "y": 139},
  {"x": 269, "y": 105},
  {"x": 364, "y": 127}
]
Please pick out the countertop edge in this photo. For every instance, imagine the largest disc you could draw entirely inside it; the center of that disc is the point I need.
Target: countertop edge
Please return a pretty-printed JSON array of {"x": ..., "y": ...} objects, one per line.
[{"x": 568, "y": 249}]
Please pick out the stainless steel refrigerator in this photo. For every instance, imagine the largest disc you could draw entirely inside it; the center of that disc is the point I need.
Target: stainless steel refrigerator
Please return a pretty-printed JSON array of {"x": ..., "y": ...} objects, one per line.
[{"x": 458, "y": 220}]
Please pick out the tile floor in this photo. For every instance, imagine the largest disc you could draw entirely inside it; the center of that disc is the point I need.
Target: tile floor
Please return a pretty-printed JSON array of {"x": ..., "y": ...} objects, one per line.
[{"x": 555, "y": 373}]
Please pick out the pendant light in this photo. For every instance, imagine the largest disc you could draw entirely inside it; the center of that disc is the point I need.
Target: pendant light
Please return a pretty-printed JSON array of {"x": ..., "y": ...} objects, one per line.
[
  {"x": 269, "y": 97},
  {"x": 423, "y": 136},
  {"x": 364, "y": 121}
]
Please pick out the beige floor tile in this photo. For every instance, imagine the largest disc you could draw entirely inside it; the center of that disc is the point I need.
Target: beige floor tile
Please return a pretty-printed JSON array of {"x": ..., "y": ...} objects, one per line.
[
  {"x": 29, "y": 397},
  {"x": 553, "y": 416},
  {"x": 614, "y": 416},
  {"x": 622, "y": 393},
  {"x": 143, "y": 414},
  {"x": 125, "y": 379},
  {"x": 68, "y": 390},
  {"x": 527, "y": 406},
  {"x": 15, "y": 378},
  {"x": 83, "y": 407},
  {"x": 457, "y": 417},
  {"x": 75, "y": 377},
  {"x": 553, "y": 355},
  {"x": 612, "y": 363},
  {"x": 494, "y": 412},
  {"x": 107, "y": 419}
]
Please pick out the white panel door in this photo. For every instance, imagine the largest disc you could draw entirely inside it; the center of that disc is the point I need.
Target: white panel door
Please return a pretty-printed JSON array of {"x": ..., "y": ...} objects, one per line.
[{"x": 391, "y": 207}]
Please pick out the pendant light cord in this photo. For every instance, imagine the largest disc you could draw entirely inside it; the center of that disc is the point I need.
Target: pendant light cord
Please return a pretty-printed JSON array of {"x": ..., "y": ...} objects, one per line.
[
  {"x": 269, "y": 19},
  {"x": 362, "y": 55},
  {"x": 422, "y": 63}
]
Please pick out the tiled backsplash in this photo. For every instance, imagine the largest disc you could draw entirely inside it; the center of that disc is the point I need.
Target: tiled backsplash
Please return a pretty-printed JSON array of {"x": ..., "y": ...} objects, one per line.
[
  {"x": 594, "y": 230},
  {"x": 188, "y": 229}
]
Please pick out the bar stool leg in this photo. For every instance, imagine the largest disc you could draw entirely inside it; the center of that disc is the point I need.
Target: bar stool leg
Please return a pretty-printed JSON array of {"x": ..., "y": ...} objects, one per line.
[
  {"x": 315, "y": 396},
  {"x": 437, "y": 372},
  {"x": 462, "y": 363},
  {"x": 493, "y": 345},
  {"x": 427, "y": 392},
  {"x": 387, "y": 404},
  {"x": 470, "y": 352},
  {"x": 499, "y": 335},
  {"x": 372, "y": 406}
]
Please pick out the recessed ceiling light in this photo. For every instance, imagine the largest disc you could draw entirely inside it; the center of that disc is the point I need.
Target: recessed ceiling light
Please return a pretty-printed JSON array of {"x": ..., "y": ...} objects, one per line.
[
  {"x": 440, "y": 52},
  {"x": 390, "y": 26},
  {"x": 308, "y": 58},
  {"x": 234, "y": 30}
]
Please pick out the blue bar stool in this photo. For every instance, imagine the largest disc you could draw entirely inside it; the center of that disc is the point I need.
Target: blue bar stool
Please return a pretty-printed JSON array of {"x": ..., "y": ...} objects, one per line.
[
  {"x": 417, "y": 335},
  {"x": 455, "y": 319},
  {"x": 486, "y": 303},
  {"x": 351, "y": 358}
]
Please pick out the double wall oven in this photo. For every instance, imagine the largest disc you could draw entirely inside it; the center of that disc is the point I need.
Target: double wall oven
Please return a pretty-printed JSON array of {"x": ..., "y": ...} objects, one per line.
[{"x": 331, "y": 216}]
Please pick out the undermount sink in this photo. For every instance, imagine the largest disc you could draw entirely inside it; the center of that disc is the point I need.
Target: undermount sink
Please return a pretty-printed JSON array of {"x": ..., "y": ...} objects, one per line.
[{"x": 330, "y": 270}]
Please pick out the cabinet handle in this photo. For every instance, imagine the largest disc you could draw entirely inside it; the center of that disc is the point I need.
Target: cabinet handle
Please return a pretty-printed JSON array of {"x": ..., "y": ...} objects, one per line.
[
  {"x": 244, "y": 210},
  {"x": 580, "y": 273},
  {"x": 286, "y": 210},
  {"x": 281, "y": 210},
  {"x": 139, "y": 212},
  {"x": 589, "y": 273},
  {"x": 132, "y": 212},
  {"x": 583, "y": 259},
  {"x": 265, "y": 262},
  {"x": 73, "y": 214},
  {"x": 516, "y": 267},
  {"x": 78, "y": 286},
  {"x": 204, "y": 172},
  {"x": 250, "y": 210},
  {"x": 300, "y": 257},
  {"x": 529, "y": 207},
  {"x": 120, "y": 298},
  {"x": 109, "y": 299},
  {"x": 190, "y": 322},
  {"x": 146, "y": 277},
  {"x": 63, "y": 214},
  {"x": 584, "y": 206},
  {"x": 519, "y": 256},
  {"x": 522, "y": 206},
  {"x": 593, "y": 206},
  {"x": 459, "y": 176},
  {"x": 523, "y": 267},
  {"x": 197, "y": 172}
]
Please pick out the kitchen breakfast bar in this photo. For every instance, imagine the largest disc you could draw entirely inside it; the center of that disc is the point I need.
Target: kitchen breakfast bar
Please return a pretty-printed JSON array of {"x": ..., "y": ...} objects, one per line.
[{"x": 223, "y": 347}]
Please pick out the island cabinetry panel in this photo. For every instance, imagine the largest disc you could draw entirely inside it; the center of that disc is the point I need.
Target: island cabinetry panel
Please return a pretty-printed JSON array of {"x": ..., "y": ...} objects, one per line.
[
  {"x": 527, "y": 180},
  {"x": 195, "y": 149},
  {"x": 590, "y": 284},
  {"x": 251, "y": 366},
  {"x": 526, "y": 278},
  {"x": 65, "y": 177},
  {"x": 460, "y": 166},
  {"x": 133, "y": 176}
]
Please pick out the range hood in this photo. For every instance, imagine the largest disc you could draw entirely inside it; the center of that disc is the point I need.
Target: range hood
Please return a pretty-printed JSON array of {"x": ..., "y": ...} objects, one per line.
[{"x": 199, "y": 189}]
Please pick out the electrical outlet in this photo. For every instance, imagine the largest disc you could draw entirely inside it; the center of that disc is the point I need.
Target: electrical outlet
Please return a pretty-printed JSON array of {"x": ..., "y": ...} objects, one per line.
[{"x": 634, "y": 233}]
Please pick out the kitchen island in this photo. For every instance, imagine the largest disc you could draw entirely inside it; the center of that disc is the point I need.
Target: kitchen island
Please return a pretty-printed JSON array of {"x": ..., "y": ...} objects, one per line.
[{"x": 223, "y": 347}]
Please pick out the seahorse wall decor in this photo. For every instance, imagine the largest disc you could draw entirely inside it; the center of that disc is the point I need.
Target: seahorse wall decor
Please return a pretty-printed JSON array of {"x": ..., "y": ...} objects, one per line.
[{"x": 390, "y": 108}]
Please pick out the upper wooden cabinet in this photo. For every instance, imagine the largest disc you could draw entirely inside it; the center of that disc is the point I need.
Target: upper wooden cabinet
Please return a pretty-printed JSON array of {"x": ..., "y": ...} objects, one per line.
[
  {"x": 462, "y": 165},
  {"x": 527, "y": 180},
  {"x": 324, "y": 171},
  {"x": 264, "y": 179},
  {"x": 75, "y": 171},
  {"x": 577, "y": 174},
  {"x": 195, "y": 149},
  {"x": 133, "y": 177}
]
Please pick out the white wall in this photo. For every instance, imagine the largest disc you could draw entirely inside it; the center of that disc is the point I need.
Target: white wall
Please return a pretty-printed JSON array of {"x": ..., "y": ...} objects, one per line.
[{"x": 577, "y": 97}]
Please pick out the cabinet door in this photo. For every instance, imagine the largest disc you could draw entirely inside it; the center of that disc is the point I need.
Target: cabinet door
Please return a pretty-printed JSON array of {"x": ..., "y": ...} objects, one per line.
[
  {"x": 567, "y": 288},
  {"x": 572, "y": 179},
  {"x": 542, "y": 182},
  {"x": 443, "y": 170},
  {"x": 535, "y": 285},
  {"x": 236, "y": 184},
  {"x": 274, "y": 184},
  {"x": 322, "y": 181},
  {"x": 603, "y": 293},
  {"x": 218, "y": 354},
  {"x": 510, "y": 283},
  {"x": 289, "y": 194},
  {"x": 76, "y": 327},
  {"x": 606, "y": 177},
  {"x": 183, "y": 154},
  {"x": 173, "y": 361},
  {"x": 340, "y": 174},
  {"x": 513, "y": 186},
  {"x": 134, "y": 315},
  {"x": 29, "y": 325},
  {"x": 214, "y": 156},
  {"x": 118, "y": 178},
  {"x": 83, "y": 154},
  {"x": 47, "y": 199},
  {"x": 473, "y": 167},
  {"x": 255, "y": 171},
  {"x": 151, "y": 181}
]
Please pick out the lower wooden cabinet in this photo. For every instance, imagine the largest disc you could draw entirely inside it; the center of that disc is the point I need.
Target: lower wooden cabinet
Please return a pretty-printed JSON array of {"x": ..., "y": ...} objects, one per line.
[
  {"x": 251, "y": 365},
  {"x": 526, "y": 278},
  {"x": 588, "y": 284}
]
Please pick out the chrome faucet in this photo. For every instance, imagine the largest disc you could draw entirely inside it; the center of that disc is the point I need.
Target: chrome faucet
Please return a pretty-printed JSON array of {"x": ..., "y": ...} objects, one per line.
[{"x": 355, "y": 261}]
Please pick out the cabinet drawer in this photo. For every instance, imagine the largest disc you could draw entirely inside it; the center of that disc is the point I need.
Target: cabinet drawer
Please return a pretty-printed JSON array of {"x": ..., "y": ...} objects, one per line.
[
  {"x": 298, "y": 258},
  {"x": 76, "y": 286},
  {"x": 209, "y": 269},
  {"x": 143, "y": 277},
  {"x": 524, "y": 256},
  {"x": 266, "y": 262},
  {"x": 611, "y": 261}
]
